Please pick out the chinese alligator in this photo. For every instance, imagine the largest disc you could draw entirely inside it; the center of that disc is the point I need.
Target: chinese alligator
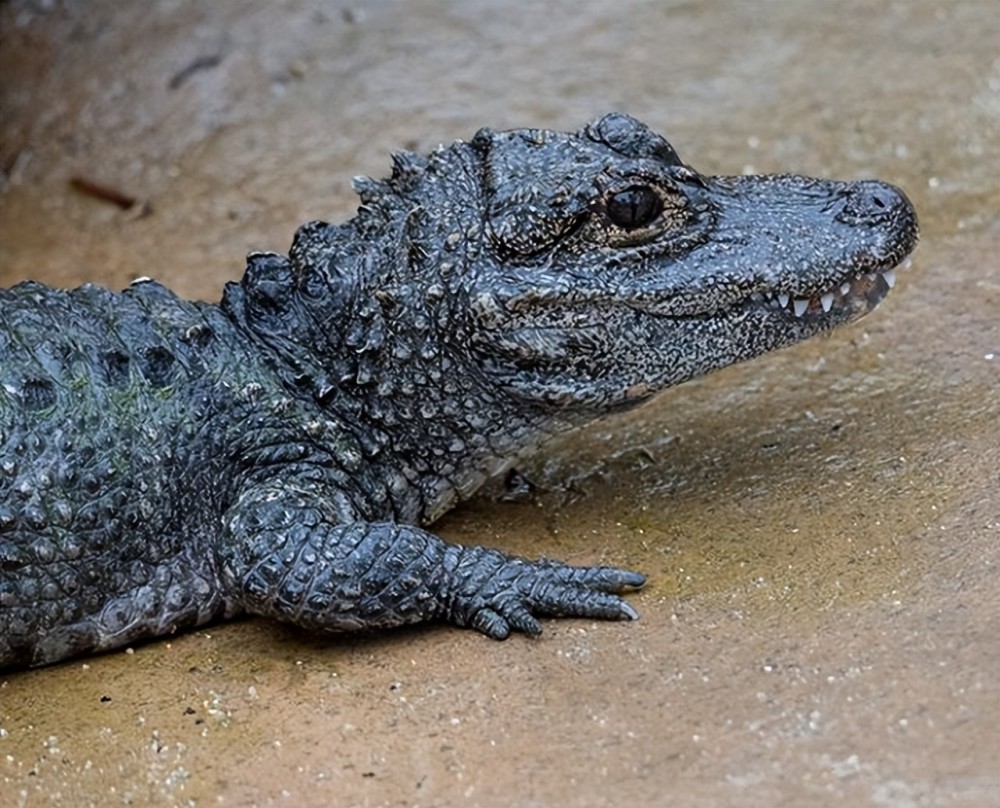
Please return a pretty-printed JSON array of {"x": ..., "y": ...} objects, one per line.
[{"x": 166, "y": 463}]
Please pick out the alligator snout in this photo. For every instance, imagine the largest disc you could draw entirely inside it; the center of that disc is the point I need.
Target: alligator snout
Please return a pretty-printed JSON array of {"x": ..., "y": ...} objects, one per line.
[{"x": 876, "y": 203}]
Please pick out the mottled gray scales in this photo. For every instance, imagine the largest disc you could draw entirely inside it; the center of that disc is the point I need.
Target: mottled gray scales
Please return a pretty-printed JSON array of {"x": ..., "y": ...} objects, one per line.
[{"x": 165, "y": 463}]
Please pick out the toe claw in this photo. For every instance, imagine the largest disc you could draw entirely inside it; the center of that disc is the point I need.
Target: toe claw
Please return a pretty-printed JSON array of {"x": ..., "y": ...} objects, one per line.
[{"x": 633, "y": 580}]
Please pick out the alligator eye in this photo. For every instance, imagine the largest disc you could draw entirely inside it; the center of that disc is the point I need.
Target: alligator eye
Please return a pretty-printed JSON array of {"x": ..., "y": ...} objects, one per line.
[{"x": 634, "y": 207}]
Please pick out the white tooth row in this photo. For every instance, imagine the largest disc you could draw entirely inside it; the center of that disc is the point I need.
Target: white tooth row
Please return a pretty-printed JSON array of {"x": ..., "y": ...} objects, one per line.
[{"x": 800, "y": 304}]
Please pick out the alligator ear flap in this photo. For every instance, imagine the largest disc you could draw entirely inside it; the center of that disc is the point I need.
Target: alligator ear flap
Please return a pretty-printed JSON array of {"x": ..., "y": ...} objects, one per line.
[
  {"x": 631, "y": 138},
  {"x": 528, "y": 229}
]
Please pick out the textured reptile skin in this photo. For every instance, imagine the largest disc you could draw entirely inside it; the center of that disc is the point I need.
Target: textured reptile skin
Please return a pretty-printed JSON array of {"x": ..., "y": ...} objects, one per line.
[{"x": 165, "y": 463}]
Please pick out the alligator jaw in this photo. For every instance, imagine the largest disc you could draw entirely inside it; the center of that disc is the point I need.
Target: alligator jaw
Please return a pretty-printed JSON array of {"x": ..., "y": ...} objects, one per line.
[
  {"x": 855, "y": 297},
  {"x": 841, "y": 302}
]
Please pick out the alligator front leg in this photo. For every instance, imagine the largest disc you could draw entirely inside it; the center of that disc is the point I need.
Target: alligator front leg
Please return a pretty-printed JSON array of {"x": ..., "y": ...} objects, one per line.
[{"x": 286, "y": 556}]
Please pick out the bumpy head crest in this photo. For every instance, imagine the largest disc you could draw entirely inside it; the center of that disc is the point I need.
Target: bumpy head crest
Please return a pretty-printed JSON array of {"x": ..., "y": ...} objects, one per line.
[
  {"x": 370, "y": 190},
  {"x": 631, "y": 138},
  {"x": 407, "y": 169}
]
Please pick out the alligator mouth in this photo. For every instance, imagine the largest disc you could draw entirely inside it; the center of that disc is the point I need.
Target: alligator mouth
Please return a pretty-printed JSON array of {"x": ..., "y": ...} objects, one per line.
[
  {"x": 847, "y": 301},
  {"x": 868, "y": 290}
]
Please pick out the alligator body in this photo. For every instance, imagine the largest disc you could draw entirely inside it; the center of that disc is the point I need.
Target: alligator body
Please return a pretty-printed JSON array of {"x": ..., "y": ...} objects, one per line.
[{"x": 165, "y": 463}]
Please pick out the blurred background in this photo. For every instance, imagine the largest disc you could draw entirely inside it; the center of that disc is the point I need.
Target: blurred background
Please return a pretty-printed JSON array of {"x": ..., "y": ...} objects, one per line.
[{"x": 819, "y": 527}]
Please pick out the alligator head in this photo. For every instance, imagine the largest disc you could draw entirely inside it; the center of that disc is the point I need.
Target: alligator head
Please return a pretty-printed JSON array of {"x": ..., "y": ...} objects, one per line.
[
  {"x": 617, "y": 271},
  {"x": 580, "y": 272},
  {"x": 500, "y": 290}
]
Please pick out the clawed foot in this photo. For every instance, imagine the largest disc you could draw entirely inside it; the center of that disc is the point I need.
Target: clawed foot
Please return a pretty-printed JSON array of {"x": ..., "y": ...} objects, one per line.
[{"x": 497, "y": 594}]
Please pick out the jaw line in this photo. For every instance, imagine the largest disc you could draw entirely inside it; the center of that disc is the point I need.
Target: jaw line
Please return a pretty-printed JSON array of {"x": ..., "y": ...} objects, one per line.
[
  {"x": 870, "y": 284},
  {"x": 856, "y": 296},
  {"x": 853, "y": 298}
]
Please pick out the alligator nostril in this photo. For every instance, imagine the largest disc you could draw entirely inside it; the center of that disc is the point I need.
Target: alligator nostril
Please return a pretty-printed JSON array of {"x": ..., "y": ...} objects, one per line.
[{"x": 871, "y": 199}]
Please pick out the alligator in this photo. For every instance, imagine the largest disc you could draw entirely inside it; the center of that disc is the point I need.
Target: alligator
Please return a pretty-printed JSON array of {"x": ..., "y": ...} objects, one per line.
[{"x": 168, "y": 463}]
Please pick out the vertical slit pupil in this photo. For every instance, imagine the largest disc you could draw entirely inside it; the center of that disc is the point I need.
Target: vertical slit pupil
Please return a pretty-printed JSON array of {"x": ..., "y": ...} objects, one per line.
[{"x": 634, "y": 207}]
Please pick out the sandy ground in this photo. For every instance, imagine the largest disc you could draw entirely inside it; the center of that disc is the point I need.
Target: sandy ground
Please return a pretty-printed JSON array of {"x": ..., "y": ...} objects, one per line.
[{"x": 820, "y": 527}]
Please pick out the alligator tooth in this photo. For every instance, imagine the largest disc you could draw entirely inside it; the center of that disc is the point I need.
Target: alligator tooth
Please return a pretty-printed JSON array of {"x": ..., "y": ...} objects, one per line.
[
  {"x": 845, "y": 287},
  {"x": 827, "y": 301},
  {"x": 907, "y": 263},
  {"x": 890, "y": 277},
  {"x": 783, "y": 300},
  {"x": 800, "y": 306}
]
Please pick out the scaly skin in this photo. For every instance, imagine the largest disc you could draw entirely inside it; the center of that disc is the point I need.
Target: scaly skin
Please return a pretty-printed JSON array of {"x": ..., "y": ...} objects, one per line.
[{"x": 166, "y": 463}]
